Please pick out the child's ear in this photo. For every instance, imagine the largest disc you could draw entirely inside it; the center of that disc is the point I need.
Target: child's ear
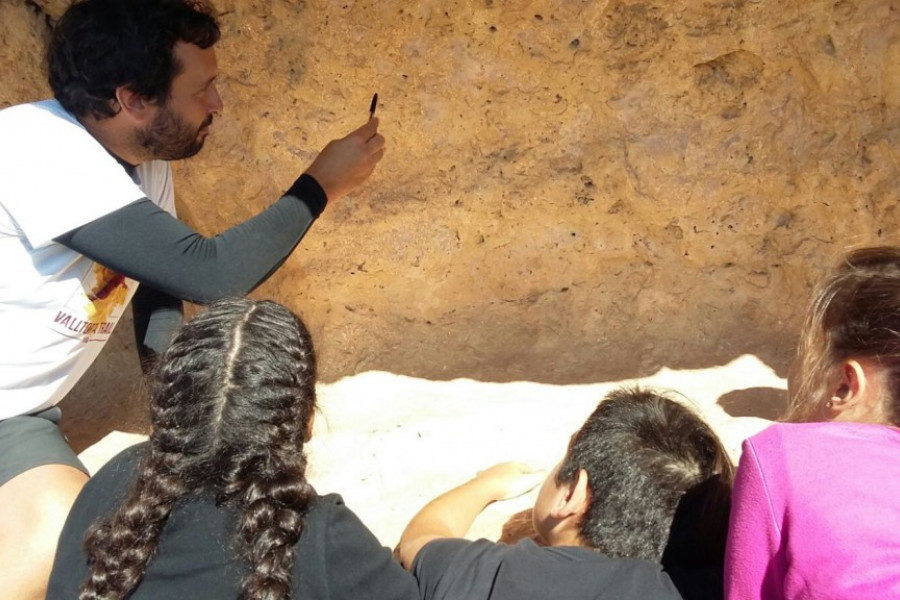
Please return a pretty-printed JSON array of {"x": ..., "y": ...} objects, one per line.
[
  {"x": 576, "y": 499},
  {"x": 859, "y": 394},
  {"x": 849, "y": 390}
]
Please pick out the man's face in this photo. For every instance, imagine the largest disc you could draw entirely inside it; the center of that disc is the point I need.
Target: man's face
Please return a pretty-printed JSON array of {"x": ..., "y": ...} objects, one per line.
[{"x": 181, "y": 124}]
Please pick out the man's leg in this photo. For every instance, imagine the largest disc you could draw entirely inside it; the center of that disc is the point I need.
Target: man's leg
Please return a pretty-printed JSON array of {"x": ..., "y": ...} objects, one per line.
[
  {"x": 40, "y": 477},
  {"x": 33, "y": 509}
]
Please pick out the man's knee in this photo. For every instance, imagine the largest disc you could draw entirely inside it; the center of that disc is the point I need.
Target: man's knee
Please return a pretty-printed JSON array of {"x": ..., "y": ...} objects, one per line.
[
  {"x": 35, "y": 505},
  {"x": 33, "y": 509}
]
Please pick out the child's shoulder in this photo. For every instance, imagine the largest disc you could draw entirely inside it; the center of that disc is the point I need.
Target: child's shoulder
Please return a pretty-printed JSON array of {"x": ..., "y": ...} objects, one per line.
[
  {"x": 813, "y": 436},
  {"x": 546, "y": 571}
]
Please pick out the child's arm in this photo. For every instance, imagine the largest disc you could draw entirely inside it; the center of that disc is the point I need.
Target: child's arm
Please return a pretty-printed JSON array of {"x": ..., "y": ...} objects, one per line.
[{"x": 451, "y": 514}]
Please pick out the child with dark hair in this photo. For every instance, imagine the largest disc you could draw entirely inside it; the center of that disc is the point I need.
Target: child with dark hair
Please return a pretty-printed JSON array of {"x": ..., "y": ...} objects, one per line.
[
  {"x": 816, "y": 511},
  {"x": 216, "y": 505},
  {"x": 645, "y": 482}
]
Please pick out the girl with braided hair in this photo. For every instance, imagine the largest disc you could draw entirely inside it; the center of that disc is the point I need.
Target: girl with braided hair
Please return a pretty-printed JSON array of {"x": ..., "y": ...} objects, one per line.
[{"x": 216, "y": 503}]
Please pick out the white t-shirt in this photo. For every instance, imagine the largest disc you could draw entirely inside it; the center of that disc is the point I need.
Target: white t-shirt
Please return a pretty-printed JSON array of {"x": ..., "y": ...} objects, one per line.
[{"x": 57, "y": 307}]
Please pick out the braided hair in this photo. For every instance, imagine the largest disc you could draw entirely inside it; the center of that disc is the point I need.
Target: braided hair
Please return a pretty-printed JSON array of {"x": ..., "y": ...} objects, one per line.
[{"x": 231, "y": 401}]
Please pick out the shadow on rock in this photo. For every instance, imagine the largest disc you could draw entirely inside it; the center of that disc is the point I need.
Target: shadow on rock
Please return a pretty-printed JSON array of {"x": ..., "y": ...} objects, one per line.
[{"x": 765, "y": 403}]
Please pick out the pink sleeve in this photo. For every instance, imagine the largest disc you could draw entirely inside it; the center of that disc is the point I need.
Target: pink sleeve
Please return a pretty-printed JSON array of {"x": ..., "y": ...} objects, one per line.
[{"x": 754, "y": 566}]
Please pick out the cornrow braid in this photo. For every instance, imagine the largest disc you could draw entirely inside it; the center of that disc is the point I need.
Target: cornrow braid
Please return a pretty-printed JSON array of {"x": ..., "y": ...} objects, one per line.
[
  {"x": 274, "y": 501},
  {"x": 231, "y": 400},
  {"x": 264, "y": 474},
  {"x": 120, "y": 547}
]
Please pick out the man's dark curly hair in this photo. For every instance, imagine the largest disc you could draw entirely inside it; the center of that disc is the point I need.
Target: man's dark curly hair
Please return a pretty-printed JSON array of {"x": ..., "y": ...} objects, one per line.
[
  {"x": 100, "y": 45},
  {"x": 231, "y": 402}
]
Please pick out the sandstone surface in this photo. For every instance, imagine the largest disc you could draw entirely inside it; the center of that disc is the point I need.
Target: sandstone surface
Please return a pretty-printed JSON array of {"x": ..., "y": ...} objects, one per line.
[{"x": 574, "y": 191}]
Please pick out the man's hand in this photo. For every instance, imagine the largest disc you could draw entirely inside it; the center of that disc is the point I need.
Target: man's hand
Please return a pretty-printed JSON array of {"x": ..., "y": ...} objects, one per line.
[{"x": 344, "y": 164}]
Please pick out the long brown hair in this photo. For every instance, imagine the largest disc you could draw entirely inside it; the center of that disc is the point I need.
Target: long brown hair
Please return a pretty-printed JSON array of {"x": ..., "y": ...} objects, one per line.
[
  {"x": 854, "y": 313},
  {"x": 231, "y": 402}
]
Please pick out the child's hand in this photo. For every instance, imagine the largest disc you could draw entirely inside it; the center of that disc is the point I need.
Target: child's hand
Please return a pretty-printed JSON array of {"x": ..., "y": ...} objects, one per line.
[
  {"x": 511, "y": 479},
  {"x": 451, "y": 514}
]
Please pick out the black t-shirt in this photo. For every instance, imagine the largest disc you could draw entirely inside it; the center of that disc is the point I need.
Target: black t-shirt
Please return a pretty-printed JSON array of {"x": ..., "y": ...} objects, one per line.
[
  {"x": 457, "y": 569},
  {"x": 336, "y": 557}
]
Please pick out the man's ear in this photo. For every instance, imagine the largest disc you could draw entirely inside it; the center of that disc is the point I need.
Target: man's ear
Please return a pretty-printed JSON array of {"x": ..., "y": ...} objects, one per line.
[
  {"x": 575, "y": 499},
  {"x": 133, "y": 105}
]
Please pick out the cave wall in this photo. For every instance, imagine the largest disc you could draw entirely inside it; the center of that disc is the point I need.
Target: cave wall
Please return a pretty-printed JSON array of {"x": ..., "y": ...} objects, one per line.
[{"x": 573, "y": 191}]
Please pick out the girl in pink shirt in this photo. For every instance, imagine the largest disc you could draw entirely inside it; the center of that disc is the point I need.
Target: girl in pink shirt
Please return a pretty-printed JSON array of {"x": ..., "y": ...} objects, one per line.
[{"x": 816, "y": 505}]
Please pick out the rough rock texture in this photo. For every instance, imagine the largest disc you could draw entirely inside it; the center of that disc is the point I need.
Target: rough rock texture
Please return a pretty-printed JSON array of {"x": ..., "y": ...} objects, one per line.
[{"x": 574, "y": 191}]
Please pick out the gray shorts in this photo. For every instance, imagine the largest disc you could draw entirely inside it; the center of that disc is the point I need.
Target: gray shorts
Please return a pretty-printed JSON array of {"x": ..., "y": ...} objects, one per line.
[{"x": 32, "y": 441}]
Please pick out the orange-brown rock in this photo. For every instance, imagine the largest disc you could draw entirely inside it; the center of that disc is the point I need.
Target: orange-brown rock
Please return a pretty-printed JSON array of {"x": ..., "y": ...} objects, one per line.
[{"x": 574, "y": 191}]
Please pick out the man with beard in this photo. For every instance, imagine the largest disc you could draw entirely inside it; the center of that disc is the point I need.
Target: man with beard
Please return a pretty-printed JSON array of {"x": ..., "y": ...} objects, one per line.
[{"x": 87, "y": 212}]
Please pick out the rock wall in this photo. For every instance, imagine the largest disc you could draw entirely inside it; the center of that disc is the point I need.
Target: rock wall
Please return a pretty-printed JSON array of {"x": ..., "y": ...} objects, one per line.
[{"x": 574, "y": 190}]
